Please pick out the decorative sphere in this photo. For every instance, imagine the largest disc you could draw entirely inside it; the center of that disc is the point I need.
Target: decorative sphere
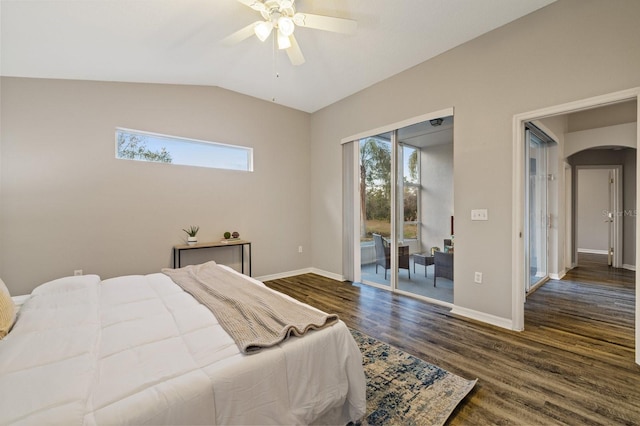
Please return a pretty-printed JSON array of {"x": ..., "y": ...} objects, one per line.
[
  {"x": 235, "y": 234},
  {"x": 227, "y": 235}
]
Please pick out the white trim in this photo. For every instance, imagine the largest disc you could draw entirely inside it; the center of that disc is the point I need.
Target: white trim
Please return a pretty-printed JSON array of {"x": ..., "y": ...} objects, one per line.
[
  {"x": 517, "y": 226},
  {"x": 517, "y": 276},
  {"x": 567, "y": 254},
  {"x": 399, "y": 125},
  {"x": 376, "y": 285},
  {"x": 357, "y": 259},
  {"x": 483, "y": 317},
  {"x": 288, "y": 274},
  {"x": 425, "y": 298},
  {"x": 629, "y": 267},
  {"x": 592, "y": 251},
  {"x": 284, "y": 275},
  {"x": 557, "y": 276},
  {"x": 394, "y": 210},
  {"x": 580, "y": 105},
  {"x": 327, "y": 274},
  {"x": 637, "y": 346}
]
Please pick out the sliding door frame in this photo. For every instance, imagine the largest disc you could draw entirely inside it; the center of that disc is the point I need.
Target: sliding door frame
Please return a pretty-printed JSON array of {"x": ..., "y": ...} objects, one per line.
[{"x": 392, "y": 128}]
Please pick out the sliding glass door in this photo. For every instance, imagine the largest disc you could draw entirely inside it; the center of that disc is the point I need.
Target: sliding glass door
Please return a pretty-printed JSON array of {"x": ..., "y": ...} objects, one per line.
[
  {"x": 407, "y": 195},
  {"x": 405, "y": 202},
  {"x": 375, "y": 209},
  {"x": 538, "y": 218}
]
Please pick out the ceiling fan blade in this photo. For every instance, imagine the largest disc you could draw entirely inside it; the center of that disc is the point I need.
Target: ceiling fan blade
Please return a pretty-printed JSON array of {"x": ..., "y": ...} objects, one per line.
[
  {"x": 295, "y": 54},
  {"x": 240, "y": 35},
  {"x": 326, "y": 23},
  {"x": 253, "y": 4}
]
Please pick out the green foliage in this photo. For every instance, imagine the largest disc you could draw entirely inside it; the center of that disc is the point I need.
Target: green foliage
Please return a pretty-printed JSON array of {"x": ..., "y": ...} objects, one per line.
[
  {"x": 192, "y": 231},
  {"x": 378, "y": 205},
  {"x": 375, "y": 181},
  {"x": 410, "y": 203},
  {"x": 375, "y": 164},
  {"x": 414, "y": 160},
  {"x": 375, "y": 187},
  {"x": 134, "y": 147}
]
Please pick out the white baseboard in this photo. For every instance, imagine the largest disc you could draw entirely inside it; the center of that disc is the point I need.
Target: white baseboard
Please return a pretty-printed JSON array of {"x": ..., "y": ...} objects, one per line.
[
  {"x": 288, "y": 274},
  {"x": 327, "y": 274},
  {"x": 557, "y": 276},
  {"x": 283, "y": 275},
  {"x": 592, "y": 251},
  {"x": 629, "y": 267},
  {"x": 483, "y": 317}
]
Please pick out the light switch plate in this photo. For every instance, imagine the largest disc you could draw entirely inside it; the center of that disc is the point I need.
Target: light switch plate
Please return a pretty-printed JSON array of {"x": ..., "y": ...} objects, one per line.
[{"x": 479, "y": 214}]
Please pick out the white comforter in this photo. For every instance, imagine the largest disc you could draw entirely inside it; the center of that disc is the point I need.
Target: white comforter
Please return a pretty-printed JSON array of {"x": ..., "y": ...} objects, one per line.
[{"x": 139, "y": 350}]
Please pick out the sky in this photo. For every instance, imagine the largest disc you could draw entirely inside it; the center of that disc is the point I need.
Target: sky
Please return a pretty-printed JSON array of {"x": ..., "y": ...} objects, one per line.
[{"x": 200, "y": 153}]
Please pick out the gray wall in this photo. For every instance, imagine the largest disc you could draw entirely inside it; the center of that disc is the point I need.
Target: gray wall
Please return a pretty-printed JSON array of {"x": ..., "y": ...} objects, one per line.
[
  {"x": 556, "y": 55},
  {"x": 67, "y": 203}
]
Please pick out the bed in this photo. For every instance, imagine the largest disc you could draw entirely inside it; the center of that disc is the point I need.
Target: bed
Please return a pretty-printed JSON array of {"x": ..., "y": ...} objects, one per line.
[{"x": 141, "y": 350}]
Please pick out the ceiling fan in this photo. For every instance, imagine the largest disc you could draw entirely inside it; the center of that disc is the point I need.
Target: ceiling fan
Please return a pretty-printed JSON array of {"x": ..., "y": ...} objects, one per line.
[{"x": 281, "y": 16}]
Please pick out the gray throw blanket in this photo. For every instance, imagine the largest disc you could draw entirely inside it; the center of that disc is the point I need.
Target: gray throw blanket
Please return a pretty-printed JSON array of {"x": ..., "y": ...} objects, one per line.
[{"x": 254, "y": 316}]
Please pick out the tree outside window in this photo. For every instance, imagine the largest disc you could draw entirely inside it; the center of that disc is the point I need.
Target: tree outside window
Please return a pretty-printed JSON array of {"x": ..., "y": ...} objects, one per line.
[{"x": 375, "y": 189}]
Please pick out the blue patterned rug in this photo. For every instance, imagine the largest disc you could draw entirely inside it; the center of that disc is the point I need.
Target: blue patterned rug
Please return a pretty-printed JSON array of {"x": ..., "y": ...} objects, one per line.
[{"x": 405, "y": 390}]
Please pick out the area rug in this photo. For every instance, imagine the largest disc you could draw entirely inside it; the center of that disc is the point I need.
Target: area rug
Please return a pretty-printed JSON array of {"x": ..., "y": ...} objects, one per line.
[{"x": 405, "y": 390}]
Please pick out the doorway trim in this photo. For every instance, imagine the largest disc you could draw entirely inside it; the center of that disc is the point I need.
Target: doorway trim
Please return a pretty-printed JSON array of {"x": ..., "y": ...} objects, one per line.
[
  {"x": 568, "y": 220},
  {"x": 517, "y": 231}
]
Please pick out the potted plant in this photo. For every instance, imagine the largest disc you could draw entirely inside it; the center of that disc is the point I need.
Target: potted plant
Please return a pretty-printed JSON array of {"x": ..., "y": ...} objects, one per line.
[{"x": 192, "y": 232}]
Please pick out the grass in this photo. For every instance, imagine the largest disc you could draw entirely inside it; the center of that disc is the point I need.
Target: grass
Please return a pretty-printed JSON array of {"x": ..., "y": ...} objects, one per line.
[{"x": 384, "y": 228}]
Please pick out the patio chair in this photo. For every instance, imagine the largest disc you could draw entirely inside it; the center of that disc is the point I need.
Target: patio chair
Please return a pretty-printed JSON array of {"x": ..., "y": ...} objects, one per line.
[
  {"x": 383, "y": 255},
  {"x": 443, "y": 266}
]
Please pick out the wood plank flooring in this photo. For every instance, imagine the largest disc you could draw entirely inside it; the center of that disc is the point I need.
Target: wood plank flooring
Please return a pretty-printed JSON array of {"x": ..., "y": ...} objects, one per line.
[{"x": 574, "y": 363}]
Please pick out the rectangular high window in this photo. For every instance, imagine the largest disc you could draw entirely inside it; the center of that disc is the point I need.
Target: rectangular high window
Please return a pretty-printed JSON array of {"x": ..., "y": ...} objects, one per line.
[{"x": 156, "y": 148}]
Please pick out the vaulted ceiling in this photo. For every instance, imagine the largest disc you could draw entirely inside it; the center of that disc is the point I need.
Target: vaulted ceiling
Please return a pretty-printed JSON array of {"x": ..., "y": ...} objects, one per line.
[{"x": 178, "y": 42}]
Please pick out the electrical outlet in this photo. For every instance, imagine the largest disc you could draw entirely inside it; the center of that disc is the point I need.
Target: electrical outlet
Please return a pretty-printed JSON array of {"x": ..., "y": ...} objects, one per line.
[
  {"x": 299, "y": 249},
  {"x": 77, "y": 272},
  {"x": 478, "y": 277}
]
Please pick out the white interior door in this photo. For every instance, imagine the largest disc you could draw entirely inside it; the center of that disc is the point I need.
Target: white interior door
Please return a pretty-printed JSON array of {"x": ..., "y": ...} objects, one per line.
[{"x": 599, "y": 212}]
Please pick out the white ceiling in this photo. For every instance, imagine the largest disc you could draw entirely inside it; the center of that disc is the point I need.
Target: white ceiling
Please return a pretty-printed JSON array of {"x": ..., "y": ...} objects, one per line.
[{"x": 178, "y": 42}]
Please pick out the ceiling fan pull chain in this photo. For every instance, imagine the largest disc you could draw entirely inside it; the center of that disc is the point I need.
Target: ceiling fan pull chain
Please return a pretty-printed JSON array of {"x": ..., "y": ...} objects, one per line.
[{"x": 275, "y": 73}]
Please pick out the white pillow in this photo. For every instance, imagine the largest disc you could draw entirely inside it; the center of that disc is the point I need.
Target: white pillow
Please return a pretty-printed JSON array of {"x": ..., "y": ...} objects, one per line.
[{"x": 7, "y": 310}]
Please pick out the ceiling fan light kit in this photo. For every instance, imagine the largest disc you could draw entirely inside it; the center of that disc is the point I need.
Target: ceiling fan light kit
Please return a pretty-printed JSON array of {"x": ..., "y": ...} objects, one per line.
[
  {"x": 281, "y": 15},
  {"x": 283, "y": 41},
  {"x": 263, "y": 30}
]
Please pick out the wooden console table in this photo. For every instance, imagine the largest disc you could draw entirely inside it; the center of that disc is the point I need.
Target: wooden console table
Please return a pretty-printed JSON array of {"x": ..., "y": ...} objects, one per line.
[{"x": 177, "y": 250}]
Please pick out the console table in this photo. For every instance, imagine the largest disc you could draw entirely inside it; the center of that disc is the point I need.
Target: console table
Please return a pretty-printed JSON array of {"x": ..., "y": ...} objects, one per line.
[{"x": 177, "y": 250}]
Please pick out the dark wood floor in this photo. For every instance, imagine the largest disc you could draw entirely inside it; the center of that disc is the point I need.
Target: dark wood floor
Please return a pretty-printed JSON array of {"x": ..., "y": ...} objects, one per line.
[{"x": 573, "y": 364}]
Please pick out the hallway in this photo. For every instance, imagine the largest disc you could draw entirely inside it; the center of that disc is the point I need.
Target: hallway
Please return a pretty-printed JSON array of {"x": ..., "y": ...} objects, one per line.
[
  {"x": 591, "y": 308},
  {"x": 594, "y": 268}
]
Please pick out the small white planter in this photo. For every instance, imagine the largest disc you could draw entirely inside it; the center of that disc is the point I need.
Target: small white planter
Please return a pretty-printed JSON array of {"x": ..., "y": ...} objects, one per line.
[{"x": 192, "y": 240}]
